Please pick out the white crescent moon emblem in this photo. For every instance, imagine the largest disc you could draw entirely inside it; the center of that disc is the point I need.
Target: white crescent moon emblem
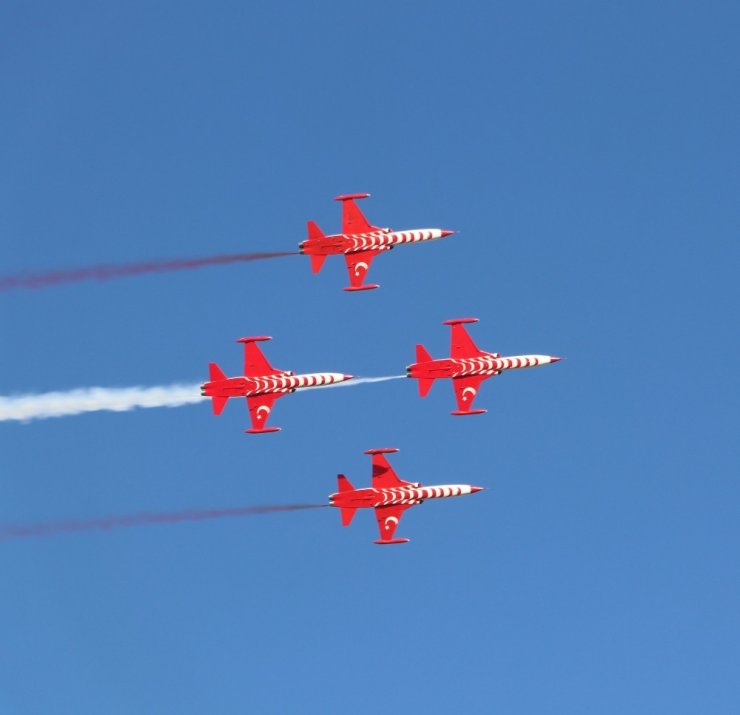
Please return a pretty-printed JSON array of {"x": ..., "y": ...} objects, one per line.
[
  {"x": 260, "y": 410},
  {"x": 467, "y": 390},
  {"x": 360, "y": 265},
  {"x": 391, "y": 520}
]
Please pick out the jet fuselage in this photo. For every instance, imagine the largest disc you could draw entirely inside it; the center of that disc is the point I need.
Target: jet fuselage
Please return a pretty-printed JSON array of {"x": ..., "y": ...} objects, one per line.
[
  {"x": 409, "y": 495},
  {"x": 283, "y": 383},
  {"x": 485, "y": 365},
  {"x": 380, "y": 240}
]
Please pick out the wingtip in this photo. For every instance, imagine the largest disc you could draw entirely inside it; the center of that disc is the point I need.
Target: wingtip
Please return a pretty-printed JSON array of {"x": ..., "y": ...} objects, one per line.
[
  {"x": 367, "y": 286},
  {"x": 456, "y": 321},
  {"x": 254, "y": 339},
  {"x": 347, "y": 197}
]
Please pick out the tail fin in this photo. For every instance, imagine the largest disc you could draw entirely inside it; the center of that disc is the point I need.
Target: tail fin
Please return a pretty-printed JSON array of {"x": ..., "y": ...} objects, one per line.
[{"x": 422, "y": 354}]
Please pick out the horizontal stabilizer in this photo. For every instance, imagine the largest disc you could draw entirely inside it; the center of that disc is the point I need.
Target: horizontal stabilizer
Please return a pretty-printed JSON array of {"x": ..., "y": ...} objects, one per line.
[
  {"x": 215, "y": 373},
  {"x": 425, "y": 384},
  {"x": 218, "y": 404},
  {"x": 343, "y": 484},
  {"x": 382, "y": 542},
  {"x": 422, "y": 354},
  {"x": 317, "y": 262},
  {"x": 347, "y": 514},
  {"x": 314, "y": 232}
]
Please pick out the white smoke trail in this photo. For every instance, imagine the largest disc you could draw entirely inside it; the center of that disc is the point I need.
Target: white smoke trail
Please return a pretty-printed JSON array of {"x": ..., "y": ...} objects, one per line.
[
  {"x": 354, "y": 382},
  {"x": 365, "y": 380},
  {"x": 24, "y": 408}
]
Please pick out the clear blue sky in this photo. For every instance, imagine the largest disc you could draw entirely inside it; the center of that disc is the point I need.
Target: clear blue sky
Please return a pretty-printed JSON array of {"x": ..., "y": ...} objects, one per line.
[{"x": 588, "y": 155}]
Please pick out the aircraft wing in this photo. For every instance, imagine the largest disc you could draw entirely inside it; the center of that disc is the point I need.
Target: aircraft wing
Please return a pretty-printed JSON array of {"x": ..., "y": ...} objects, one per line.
[
  {"x": 260, "y": 407},
  {"x": 466, "y": 389},
  {"x": 358, "y": 265},
  {"x": 384, "y": 476},
  {"x": 388, "y": 518},
  {"x": 255, "y": 363},
  {"x": 353, "y": 220},
  {"x": 461, "y": 344}
]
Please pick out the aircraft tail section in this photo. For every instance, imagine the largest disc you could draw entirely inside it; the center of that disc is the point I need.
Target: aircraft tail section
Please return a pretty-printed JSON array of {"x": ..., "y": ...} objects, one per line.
[
  {"x": 317, "y": 262},
  {"x": 422, "y": 354},
  {"x": 347, "y": 512},
  {"x": 218, "y": 404},
  {"x": 343, "y": 484},
  {"x": 215, "y": 372},
  {"x": 425, "y": 384},
  {"x": 314, "y": 232}
]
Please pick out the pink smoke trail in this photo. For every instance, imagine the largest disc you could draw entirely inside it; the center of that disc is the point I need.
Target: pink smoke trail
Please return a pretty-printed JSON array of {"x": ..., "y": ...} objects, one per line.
[
  {"x": 125, "y": 270},
  {"x": 8, "y": 533}
]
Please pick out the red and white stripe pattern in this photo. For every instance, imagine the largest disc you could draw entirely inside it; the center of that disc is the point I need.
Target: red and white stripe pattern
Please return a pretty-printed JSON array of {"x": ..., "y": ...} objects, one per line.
[
  {"x": 380, "y": 240},
  {"x": 416, "y": 495},
  {"x": 290, "y": 383},
  {"x": 493, "y": 364}
]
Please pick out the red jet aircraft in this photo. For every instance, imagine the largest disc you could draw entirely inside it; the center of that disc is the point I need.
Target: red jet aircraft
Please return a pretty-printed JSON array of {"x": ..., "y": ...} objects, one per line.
[
  {"x": 389, "y": 496},
  {"x": 261, "y": 385},
  {"x": 359, "y": 242},
  {"x": 467, "y": 366}
]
